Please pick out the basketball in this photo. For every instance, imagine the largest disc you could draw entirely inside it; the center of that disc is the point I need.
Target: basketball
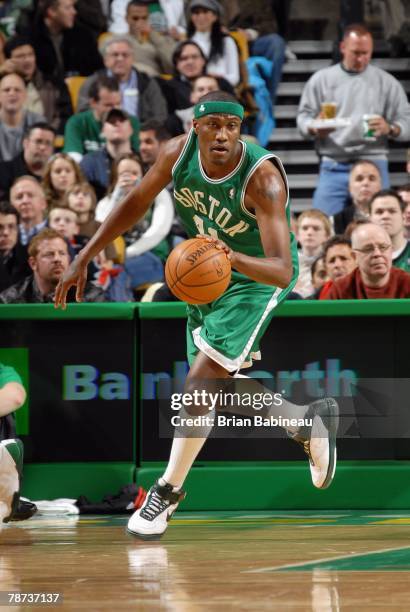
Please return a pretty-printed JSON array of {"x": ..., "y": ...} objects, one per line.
[{"x": 197, "y": 272}]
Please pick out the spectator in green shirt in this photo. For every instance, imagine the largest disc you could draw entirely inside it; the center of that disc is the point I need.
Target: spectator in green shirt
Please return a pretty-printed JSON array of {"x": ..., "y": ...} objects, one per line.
[
  {"x": 12, "y": 397},
  {"x": 83, "y": 131}
]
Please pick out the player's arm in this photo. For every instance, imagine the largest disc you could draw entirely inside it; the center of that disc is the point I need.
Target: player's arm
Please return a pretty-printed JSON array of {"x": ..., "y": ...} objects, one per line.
[
  {"x": 266, "y": 194},
  {"x": 125, "y": 215},
  {"x": 12, "y": 397}
]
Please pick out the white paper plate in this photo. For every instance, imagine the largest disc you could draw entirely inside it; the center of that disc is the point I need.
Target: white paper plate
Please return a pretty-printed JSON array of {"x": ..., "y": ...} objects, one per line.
[{"x": 337, "y": 122}]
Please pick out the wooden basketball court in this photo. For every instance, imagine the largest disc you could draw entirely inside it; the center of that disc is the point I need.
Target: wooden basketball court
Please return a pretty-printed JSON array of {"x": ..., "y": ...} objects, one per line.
[{"x": 323, "y": 562}]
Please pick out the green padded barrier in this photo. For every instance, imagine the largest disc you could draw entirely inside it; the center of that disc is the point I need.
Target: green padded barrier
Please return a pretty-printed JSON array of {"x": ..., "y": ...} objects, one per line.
[
  {"x": 172, "y": 310},
  {"x": 382, "y": 485},
  {"x": 94, "y": 480},
  {"x": 298, "y": 308},
  {"x": 74, "y": 311}
]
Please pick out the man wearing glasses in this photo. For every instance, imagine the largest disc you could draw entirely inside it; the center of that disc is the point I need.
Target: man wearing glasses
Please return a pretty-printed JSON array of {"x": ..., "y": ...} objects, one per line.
[{"x": 375, "y": 276}]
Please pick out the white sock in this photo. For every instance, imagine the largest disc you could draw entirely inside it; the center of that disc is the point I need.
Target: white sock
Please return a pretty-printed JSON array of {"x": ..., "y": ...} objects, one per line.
[
  {"x": 286, "y": 409},
  {"x": 184, "y": 451}
]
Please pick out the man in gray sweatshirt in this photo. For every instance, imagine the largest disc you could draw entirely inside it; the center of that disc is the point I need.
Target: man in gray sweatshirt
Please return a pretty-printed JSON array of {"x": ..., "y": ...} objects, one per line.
[{"x": 358, "y": 88}]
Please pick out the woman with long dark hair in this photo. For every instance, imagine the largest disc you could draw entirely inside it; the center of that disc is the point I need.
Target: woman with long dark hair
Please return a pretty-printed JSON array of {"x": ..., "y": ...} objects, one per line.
[{"x": 205, "y": 29}]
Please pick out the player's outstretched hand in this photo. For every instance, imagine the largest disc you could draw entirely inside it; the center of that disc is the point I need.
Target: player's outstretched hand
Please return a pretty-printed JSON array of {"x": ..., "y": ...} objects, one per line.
[
  {"x": 219, "y": 244},
  {"x": 75, "y": 275}
]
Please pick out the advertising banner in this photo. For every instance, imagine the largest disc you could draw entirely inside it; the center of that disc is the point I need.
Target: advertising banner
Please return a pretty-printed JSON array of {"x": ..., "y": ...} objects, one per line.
[
  {"x": 361, "y": 361},
  {"x": 80, "y": 384}
]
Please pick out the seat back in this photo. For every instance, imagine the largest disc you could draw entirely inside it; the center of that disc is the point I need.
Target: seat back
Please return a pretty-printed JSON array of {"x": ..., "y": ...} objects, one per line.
[
  {"x": 74, "y": 85},
  {"x": 242, "y": 44}
]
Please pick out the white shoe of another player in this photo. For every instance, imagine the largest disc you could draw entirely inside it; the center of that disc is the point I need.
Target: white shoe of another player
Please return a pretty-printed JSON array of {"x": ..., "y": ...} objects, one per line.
[
  {"x": 319, "y": 441},
  {"x": 151, "y": 520}
]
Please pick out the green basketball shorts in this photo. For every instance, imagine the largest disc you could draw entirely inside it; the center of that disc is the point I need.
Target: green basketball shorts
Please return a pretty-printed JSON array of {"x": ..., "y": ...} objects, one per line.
[{"x": 229, "y": 329}]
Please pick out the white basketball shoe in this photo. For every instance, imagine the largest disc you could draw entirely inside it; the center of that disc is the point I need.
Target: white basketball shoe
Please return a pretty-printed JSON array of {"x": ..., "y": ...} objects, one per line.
[
  {"x": 151, "y": 520},
  {"x": 319, "y": 441}
]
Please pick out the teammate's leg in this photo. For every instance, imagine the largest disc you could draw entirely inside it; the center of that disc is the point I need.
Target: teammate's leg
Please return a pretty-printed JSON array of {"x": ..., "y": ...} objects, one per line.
[{"x": 11, "y": 463}]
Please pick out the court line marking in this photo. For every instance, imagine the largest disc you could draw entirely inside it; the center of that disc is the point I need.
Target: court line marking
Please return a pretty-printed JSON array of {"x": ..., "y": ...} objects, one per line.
[
  {"x": 271, "y": 521},
  {"x": 274, "y": 568}
]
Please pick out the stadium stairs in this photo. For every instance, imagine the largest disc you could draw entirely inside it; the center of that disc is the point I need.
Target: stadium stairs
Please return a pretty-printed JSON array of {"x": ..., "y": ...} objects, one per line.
[{"x": 298, "y": 155}]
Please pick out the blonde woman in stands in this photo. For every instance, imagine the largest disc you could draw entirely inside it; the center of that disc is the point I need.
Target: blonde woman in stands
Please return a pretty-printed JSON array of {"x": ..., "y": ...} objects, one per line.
[{"x": 61, "y": 173}]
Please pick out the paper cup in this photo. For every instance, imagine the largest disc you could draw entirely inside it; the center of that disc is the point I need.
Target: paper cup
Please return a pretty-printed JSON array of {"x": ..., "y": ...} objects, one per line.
[{"x": 368, "y": 133}]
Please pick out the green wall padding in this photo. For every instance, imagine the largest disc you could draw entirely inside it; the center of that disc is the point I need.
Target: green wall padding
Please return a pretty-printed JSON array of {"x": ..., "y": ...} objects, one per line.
[
  {"x": 94, "y": 480},
  {"x": 382, "y": 485}
]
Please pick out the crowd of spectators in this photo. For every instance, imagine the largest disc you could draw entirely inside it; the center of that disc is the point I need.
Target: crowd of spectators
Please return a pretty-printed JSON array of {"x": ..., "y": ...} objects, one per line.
[{"x": 66, "y": 163}]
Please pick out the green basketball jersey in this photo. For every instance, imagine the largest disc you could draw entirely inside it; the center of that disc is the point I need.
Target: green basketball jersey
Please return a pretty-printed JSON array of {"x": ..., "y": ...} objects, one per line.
[
  {"x": 403, "y": 260},
  {"x": 217, "y": 206}
]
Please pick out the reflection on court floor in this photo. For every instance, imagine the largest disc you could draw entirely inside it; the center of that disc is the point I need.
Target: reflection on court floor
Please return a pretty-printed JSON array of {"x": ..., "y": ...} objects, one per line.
[{"x": 319, "y": 561}]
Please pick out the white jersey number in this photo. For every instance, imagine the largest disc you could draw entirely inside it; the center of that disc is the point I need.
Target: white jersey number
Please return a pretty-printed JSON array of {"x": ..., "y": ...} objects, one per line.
[{"x": 201, "y": 228}]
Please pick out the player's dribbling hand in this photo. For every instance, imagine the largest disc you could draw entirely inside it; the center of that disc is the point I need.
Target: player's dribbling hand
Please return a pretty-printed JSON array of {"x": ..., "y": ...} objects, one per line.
[
  {"x": 75, "y": 275},
  {"x": 219, "y": 244}
]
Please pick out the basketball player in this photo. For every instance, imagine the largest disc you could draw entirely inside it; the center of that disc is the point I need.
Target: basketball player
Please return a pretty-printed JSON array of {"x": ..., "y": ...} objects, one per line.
[
  {"x": 237, "y": 194},
  {"x": 12, "y": 397}
]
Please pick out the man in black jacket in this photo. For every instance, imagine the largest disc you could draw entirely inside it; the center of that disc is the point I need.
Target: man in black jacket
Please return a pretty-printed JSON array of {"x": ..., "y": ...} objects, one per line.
[
  {"x": 62, "y": 47},
  {"x": 13, "y": 255},
  {"x": 48, "y": 259}
]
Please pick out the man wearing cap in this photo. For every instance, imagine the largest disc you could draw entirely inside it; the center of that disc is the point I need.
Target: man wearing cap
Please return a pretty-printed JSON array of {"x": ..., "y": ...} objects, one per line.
[
  {"x": 117, "y": 132},
  {"x": 83, "y": 130},
  {"x": 235, "y": 195}
]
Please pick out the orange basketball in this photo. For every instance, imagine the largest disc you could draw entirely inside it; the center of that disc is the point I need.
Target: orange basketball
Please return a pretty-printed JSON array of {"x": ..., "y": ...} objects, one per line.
[{"x": 197, "y": 272}]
